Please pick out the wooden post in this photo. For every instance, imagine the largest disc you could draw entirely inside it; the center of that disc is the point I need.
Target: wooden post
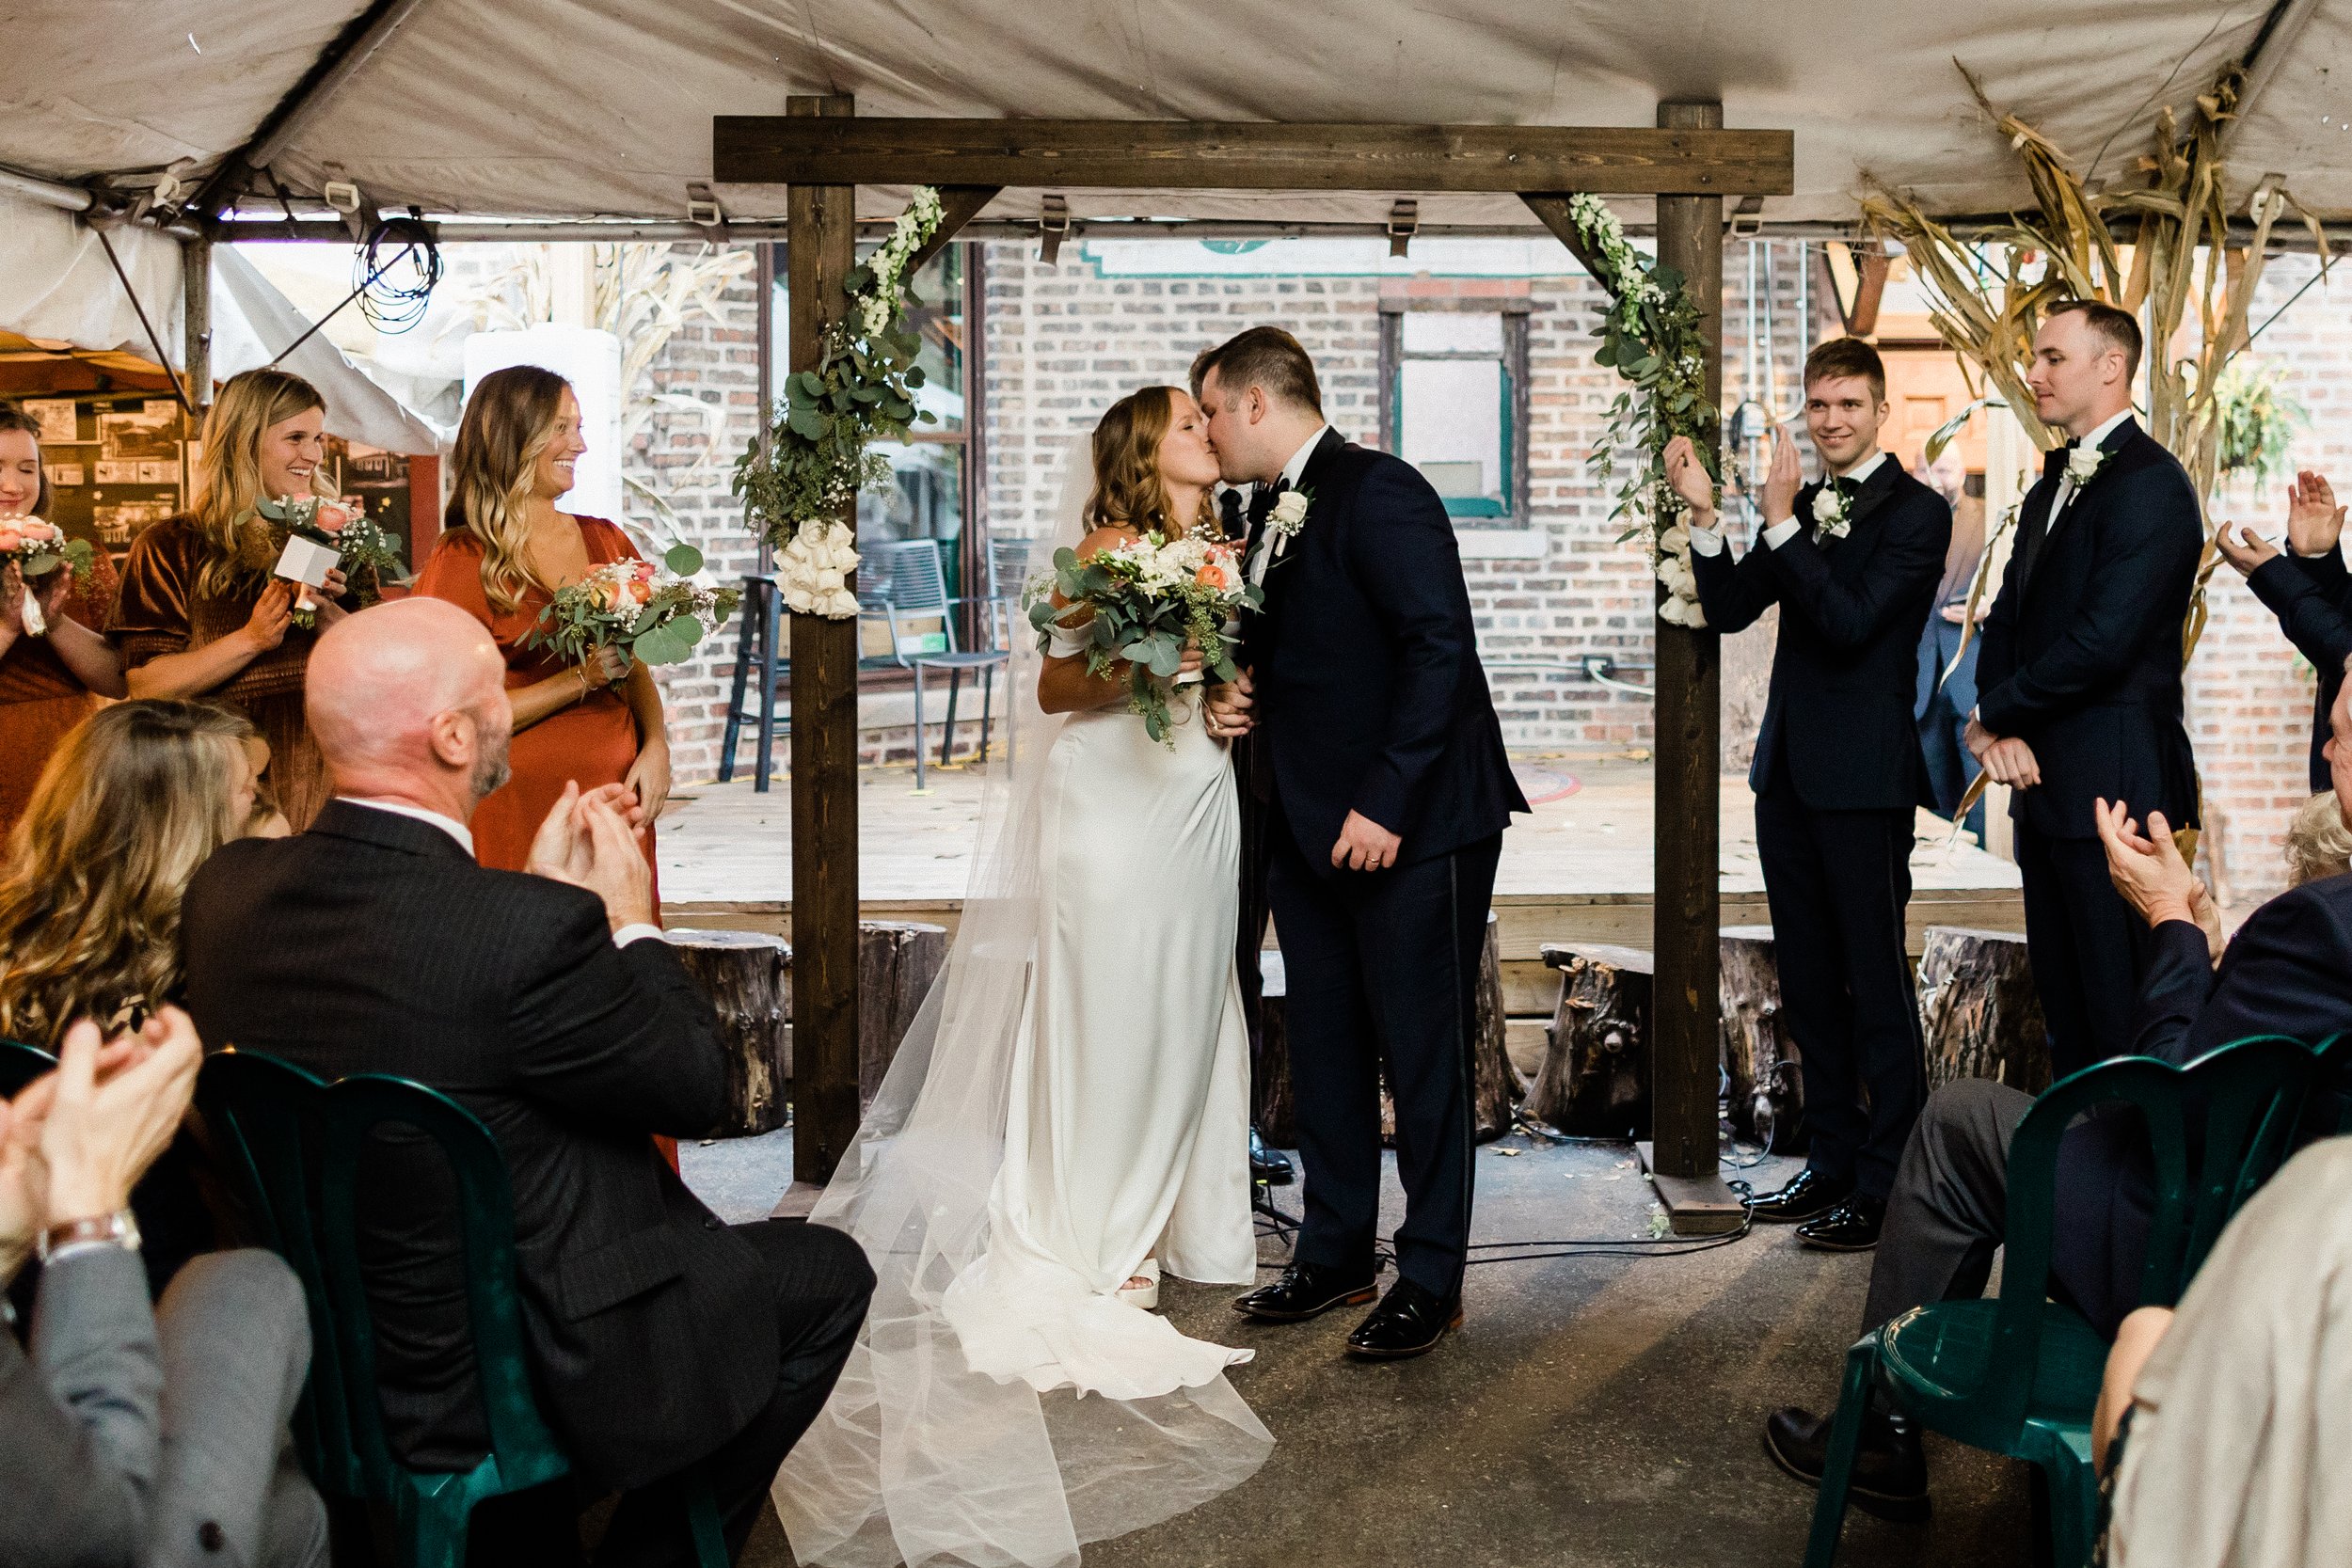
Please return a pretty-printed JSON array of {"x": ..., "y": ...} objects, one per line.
[
  {"x": 196, "y": 312},
  {"x": 822, "y": 249},
  {"x": 1685, "y": 1033}
]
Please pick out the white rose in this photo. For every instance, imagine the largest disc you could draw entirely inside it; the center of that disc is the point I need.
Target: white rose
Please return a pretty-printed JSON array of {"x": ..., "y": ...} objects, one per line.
[
  {"x": 1676, "y": 576},
  {"x": 1675, "y": 611},
  {"x": 1290, "y": 508},
  {"x": 828, "y": 582},
  {"x": 799, "y": 598},
  {"x": 2082, "y": 463},
  {"x": 1675, "y": 540},
  {"x": 1825, "y": 505}
]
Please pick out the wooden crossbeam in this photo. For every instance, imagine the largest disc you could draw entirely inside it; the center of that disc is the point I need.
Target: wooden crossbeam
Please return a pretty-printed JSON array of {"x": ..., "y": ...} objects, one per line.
[
  {"x": 1077, "y": 154},
  {"x": 958, "y": 205}
]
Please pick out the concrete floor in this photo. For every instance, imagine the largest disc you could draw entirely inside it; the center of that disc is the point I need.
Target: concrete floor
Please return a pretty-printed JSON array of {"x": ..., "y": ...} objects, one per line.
[{"x": 1598, "y": 1410}]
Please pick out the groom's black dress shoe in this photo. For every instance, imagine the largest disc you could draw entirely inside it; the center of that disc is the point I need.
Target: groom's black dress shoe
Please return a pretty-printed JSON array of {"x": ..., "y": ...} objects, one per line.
[
  {"x": 1409, "y": 1321},
  {"x": 1265, "y": 1163},
  {"x": 1307, "y": 1291},
  {"x": 1890, "y": 1474},
  {"x": 1809, "y": 1193},
  {"x": 1853, "y": 1226}
]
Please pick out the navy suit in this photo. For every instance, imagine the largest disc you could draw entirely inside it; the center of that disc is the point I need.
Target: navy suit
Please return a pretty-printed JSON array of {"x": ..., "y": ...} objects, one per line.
[
  {"x": 1837, "y": 776},
  {"x": 1371, "y": 699},
  {"x": 2082, "y": 660},
  {"x": 2312, "y": 596}
]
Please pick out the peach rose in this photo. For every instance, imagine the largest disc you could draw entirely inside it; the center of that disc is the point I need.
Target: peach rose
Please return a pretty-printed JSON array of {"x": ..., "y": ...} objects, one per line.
[
  {"x": 37, "y": 530},
  {"x": 331, "y": 517},
  {"x": 11, "y": 541}
]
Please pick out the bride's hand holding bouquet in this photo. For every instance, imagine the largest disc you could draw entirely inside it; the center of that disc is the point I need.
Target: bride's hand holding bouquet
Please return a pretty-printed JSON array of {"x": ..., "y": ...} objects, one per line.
[{"x": 1165, "y": 607}]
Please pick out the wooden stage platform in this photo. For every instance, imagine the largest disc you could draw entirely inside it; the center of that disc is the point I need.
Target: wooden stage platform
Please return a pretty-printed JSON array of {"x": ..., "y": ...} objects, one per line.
[{"x": 1579, "y": 869}]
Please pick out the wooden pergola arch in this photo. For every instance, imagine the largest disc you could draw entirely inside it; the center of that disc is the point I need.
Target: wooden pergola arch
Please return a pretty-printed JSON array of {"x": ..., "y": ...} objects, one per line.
[{"x": 821, "y": 151}]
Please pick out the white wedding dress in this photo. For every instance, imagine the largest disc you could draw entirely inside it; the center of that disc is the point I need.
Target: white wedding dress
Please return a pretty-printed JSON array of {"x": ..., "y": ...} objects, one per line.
[{"x": 1071, "y": 1102}]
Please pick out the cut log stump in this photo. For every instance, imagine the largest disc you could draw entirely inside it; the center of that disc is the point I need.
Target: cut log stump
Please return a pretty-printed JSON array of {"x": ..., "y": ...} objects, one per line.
[
  {"x": 1270, "y": 1085},
  {"x": 1767, "y": 1097},
  {"x": 1980, "y": 1012},
  {"x": 1594, "y": 1078},
  {"x": 747, "y": 976},
  {"x": 896, "y": 962}
]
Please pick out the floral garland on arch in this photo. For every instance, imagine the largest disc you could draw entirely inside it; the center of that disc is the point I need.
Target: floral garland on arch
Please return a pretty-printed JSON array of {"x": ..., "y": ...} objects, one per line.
[
  {"x": 1651, "y": 337},
  {"x": 815, "y": 461}
]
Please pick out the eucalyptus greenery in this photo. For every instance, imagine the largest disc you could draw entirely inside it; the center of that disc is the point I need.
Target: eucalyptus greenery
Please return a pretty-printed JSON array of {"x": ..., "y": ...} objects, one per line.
[
  {"x": 815, "y": 460},
  {"x": 628, "y": 603}
]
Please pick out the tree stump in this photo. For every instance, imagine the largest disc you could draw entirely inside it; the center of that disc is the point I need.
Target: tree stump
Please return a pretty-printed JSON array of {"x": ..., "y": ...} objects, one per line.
[
  {"x": 1759, "y": 1057},
  {"x": 747, "y": 976},
  {"x": 1594, "y": 1079},
  {"x": 896, "y": 962},
  {"x": 1980, "y": 1012},
  {"x": 1270, "y": 1085}
]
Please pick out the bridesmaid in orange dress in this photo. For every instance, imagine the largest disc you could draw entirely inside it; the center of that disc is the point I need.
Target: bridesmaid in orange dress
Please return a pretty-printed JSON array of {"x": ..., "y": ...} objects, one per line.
[
  {"x": 507, "y": 548},
  {"x": 51, "y": 683}
]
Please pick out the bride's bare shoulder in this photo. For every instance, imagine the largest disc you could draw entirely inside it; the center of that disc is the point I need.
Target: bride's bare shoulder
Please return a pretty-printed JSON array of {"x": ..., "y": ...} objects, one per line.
[{"x": 1108, "y": 537}]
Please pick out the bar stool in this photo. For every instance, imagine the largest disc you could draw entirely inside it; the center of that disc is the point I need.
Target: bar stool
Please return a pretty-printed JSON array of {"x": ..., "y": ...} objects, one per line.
[{"x": 763, "y": 604}]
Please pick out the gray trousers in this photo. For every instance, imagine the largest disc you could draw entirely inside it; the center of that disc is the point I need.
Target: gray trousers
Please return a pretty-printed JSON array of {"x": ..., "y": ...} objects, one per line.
[
  {"x": 236, "y": 1337},
  {"x": 1950, "y": 1205}
]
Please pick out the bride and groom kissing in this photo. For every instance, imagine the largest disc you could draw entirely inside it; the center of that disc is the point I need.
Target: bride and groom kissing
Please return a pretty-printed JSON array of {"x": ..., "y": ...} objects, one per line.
[{"x": 1069, "y": 1115}]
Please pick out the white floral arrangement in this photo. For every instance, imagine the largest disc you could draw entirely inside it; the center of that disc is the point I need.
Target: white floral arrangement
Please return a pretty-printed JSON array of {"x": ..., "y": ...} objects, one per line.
[
  {"x": 1680, "y": 607},
  {"x": 816, "y": 566},
  {"x": 1833, "y": 511},
  {"x": 1288, "y": 516},
  {"x": 2082, "y": 463}
]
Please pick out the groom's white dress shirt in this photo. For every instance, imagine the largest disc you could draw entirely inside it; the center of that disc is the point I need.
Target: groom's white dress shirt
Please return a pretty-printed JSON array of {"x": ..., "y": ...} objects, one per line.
[
  {"x": 2066, "y": 478},
  {"x": 636, "y": 931},
  {"x": 1707, "y": 541},
  {"x": 1291, "y": 472}
]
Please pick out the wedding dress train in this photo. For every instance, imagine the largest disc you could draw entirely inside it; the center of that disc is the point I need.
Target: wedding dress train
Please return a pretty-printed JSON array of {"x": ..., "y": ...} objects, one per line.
[{"x": 1071, "y": 1102}]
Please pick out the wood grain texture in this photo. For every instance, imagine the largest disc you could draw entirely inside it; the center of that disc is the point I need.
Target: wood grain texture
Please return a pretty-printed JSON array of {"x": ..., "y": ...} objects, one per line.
[
  {"x": 1078, "y": 154},
  {"x": 747, "y": 976},
  {"x": 1760, "y": 1059},
  {"x": 825, "y": 1004},
  {"x": 1978, "y": 1009},
  {"x": 1595, "y": 1077},
  {"x": 898, "y": 961}
]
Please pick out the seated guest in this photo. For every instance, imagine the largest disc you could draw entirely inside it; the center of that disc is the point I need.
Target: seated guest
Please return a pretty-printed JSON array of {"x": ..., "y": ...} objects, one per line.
[
  {"x": 2222, "y": 1425},
  {"x": 130, "y": 1435},
  {"x": 51, "y": 682},
  {"x": 2307, "y": 587},
  {"x": 2287, "y": 972},
  {"x": 134, "y": 801},
  {"x": 2318, "y": 842},
  {"x": 659, "y": 1337}
]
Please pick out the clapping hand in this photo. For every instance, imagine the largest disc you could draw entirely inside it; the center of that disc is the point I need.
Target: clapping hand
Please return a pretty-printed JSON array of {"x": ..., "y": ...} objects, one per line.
[
  {"x": 590, "y": 841},
  {"x": 1690, "y": 480},
  {"x": 2315, "y": 521},
  {"x": 2247, "y": 551},
  {"x": 2146, "y": 868},
  {"x": 1782, "y": 480}
]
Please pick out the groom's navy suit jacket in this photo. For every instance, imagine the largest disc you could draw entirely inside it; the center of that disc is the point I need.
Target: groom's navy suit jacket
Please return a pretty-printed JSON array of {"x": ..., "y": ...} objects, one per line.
[
  {"x": 1365, "y": 659},
  {"x": 2082, "y": 649}
]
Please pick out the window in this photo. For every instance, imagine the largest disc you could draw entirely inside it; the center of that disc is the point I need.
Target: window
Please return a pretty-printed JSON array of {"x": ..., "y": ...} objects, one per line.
[{"x": 1454, "y": 404}]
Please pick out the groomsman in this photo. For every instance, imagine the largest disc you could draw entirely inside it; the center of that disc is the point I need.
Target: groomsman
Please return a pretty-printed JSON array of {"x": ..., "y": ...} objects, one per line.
[
  {"x": 2078, "y": 690},
  {"x": 1853, "y": 561}
]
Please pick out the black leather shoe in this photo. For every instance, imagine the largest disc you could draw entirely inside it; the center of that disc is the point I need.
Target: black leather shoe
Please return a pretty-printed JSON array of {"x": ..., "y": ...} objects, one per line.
[
  {"x": 1853, "y": 1226},
  {"x": 1267, "y": 1166},
  {"x": 1890, "y": 1474},
  {"x": 1409, "y": 1321},
  {"x": 1807, "y": 1194},
  {"x": 1307, "y": 1291}
]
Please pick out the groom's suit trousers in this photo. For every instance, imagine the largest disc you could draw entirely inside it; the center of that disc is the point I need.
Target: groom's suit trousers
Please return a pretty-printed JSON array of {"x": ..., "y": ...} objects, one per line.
[{"x": 1381, "y": 971}]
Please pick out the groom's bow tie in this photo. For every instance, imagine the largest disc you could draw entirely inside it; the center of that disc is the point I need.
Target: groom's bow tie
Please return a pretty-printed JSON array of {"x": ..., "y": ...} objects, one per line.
[{"x": 2054, "y": 461}]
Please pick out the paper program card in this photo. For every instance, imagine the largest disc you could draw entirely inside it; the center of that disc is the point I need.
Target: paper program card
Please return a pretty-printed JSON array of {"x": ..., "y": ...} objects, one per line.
[{"x": 307, "y": 562}]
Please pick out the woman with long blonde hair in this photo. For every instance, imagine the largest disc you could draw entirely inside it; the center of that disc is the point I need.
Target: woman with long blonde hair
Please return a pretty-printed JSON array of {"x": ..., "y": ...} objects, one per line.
[
  {"x": 135, "y": 798},
  {"x": 199, "y": 613},
  {"x": 52, "y": 680},
  {"x": 506, "y": 551}
]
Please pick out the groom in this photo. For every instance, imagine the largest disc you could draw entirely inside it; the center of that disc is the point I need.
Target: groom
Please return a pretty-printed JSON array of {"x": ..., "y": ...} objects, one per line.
[{"x": 1387, "y": 790}]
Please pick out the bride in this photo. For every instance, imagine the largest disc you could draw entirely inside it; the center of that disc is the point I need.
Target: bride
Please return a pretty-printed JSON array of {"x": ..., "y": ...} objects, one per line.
[{"x": 1067, "y": 1117}]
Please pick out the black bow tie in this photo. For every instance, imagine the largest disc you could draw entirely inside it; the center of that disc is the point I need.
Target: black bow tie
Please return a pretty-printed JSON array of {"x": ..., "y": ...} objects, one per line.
[{"x": 2055, "y": 460}]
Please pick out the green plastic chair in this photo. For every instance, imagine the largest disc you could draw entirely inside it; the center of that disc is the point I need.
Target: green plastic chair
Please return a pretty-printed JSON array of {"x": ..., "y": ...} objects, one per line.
[
  {"x": 20, "y": 1064},
  {"x": 2019, "y": 1375},
  {"x": 300, "y": 1142}
]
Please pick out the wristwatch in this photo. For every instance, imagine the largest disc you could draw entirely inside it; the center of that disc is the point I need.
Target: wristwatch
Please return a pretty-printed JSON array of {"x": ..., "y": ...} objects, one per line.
[{"x": 120, "y": 1228}]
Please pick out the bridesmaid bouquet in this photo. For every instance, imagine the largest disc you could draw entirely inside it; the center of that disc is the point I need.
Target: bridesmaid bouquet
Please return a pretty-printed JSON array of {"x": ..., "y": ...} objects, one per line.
[
  {"x": 39, "y": 548},
  {"x": 319, "y": 534},
  {"x": 1149, "y": 599},
  {"x": 657, "y": 614}
]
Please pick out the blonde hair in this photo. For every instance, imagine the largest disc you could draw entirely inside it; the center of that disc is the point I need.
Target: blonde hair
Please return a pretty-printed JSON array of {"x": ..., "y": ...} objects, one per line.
[
  {"x": 228, "y": 473},
  {"x": 136, "y": 798},
  {"x": 2318, "y": 842},
  {"x": 1128, "y": 489},
  {"x": 508, "y": 424}
]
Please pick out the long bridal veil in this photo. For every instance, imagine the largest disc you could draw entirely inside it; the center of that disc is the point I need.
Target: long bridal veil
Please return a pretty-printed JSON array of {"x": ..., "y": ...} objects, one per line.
[{"x": 917, "y": 1458}]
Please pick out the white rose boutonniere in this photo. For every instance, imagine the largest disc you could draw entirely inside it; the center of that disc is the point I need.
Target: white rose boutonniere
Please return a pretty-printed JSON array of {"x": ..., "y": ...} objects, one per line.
[
  {"x": 2082, "y": 463},
  {"x": 1833, "y": 511},
  {"x": 1288, "y": 516}
]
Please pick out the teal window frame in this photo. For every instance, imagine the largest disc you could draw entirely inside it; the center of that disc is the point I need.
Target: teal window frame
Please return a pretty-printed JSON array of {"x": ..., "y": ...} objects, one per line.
[{"x": 1511, "y": 387}]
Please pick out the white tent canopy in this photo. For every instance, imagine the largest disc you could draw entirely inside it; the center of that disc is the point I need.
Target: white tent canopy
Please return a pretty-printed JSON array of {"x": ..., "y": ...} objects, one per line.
[{"x": 586, "y": 108}]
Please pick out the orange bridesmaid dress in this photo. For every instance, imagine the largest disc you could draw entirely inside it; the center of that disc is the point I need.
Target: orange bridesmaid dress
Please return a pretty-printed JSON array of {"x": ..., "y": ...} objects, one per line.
[{"x": 592, "y": 741}]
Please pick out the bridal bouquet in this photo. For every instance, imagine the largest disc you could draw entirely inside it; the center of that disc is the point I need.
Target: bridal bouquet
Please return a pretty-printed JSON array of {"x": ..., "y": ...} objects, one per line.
[
  {"x": 658, "y": 615},
  {"x": 319, "y": 534},
  {"x": 1148, "y": 600},
  {"x": 39, "y": 548}
]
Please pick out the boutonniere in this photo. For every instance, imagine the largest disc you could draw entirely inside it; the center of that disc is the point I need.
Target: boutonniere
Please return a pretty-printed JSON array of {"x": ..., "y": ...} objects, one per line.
[
  {"x": 2082, "y": 463},
  {"x": 1832, "y": 511},
  {"x": 1288, "y": 516}
]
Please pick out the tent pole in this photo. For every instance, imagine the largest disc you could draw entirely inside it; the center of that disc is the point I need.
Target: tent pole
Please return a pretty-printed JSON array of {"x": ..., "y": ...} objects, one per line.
[
  {"x": 825, "y": 1023},
  {"x": 196, "y": 314},
  {"x": 1686, "y": 1023}
]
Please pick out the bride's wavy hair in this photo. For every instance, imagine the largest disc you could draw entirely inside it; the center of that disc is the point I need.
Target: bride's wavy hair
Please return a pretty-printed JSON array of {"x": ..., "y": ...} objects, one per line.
[{"x": 1128, "y": 490}]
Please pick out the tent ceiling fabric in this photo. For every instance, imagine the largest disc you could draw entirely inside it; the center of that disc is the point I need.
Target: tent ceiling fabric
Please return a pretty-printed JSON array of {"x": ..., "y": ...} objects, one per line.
[{"x": 603, "y": 107}]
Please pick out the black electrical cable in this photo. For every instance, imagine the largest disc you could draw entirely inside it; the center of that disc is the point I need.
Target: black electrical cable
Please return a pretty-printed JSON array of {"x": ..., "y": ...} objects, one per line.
[{"x": 390, "y": 307}]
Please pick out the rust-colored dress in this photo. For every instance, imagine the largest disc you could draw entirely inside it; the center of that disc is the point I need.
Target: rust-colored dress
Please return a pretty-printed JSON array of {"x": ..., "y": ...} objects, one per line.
[
  {"x": 594, "y": 740},
  {"x": 161, "y": 611},
  {"x": 40, "y": 696}
]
